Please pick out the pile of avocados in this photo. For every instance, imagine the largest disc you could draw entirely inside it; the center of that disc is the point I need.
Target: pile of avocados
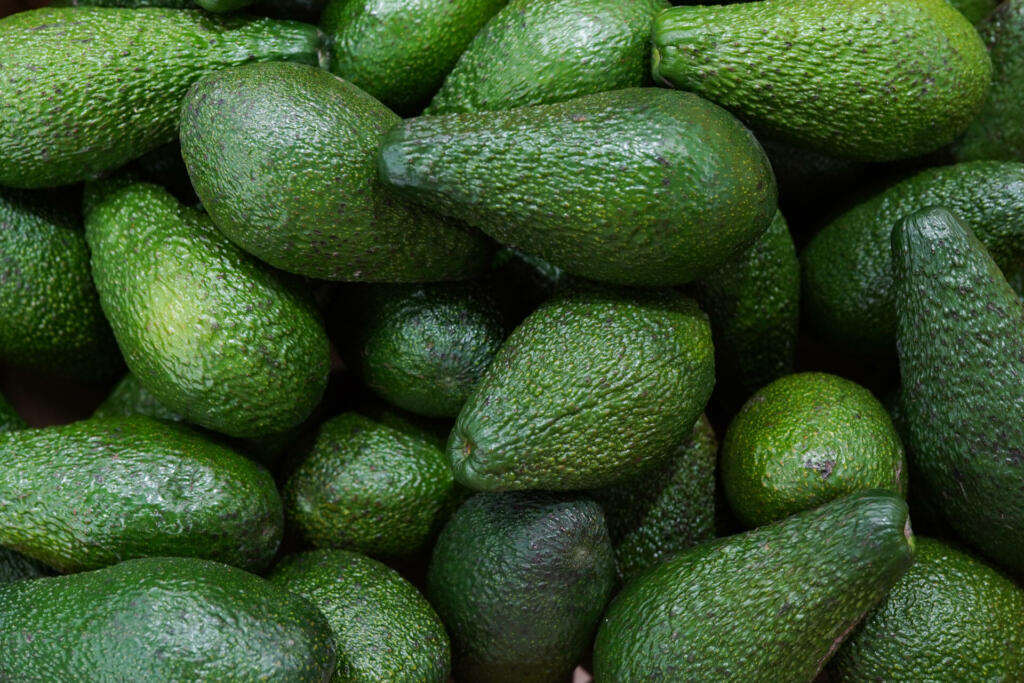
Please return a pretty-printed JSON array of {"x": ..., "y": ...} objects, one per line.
[{"x": 512, "y": 341}]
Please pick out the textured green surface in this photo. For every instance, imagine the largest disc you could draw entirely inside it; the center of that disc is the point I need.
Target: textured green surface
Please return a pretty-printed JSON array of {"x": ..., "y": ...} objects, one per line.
[
  {"x": 423, "y": 347},
  {"x": 50, "y": 316},
  {"x": 212, "y": 333},
  {"x": 283, "y": 157},
  {"x": 372, "y": 488},
  {"x": 960, "y": 337},
  {"x": 541, "y": 52},
  {"x": 670, "y": 508},
  {"x": 383, "y": 629},
  {"x": 847, "y": 270},
  {"x": 592, "y": 387},
  {"x": 998, "y": 132},
  {"x": 950, "y": 618},
  {"x": 804, "y": 440},
  {"x": 87, "y": 89},
  {"x": 974, "y": 10},
  {"x": 129, "y": 397},
  {"x": 399, "y": 51},
  {"x": 753, "y": 303},
  {"x": 161, "y": 619},
  {"x": 642, "y": 186},
  {"x": 520, "y": 580},
  {"x": 92, "y": 493},
  {"x": 769, "y": 605},
  {"x": 868, "y": 79}
]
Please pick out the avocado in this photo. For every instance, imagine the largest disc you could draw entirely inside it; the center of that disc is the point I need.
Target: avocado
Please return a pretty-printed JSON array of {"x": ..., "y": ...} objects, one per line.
[
  {"x": 133, "y": 4},
  {"x": 92, "y": 493},
  {"x": 541, "y": 52},
  {"x": 867, "y": 79},
  {"x": 400, "y": 52},
  {"x": 9, "y": 417},
  {"x": 212, "y": 333},
  {"x": 643, "y": 186},
  {"x": 372, "y": 488},
  {"x": 950, "y": 618},
  {"x": 975, "y": 11},
  {"x": 421, "y": 347},
  {"x": 383, "y": 629},
  {"x": 772, "y": 604},
  {"x": 997, "y": 132},
  {"x": 17, "y": 567},
  {"x": 161, "y": 619},
  {"x": 87, "y": 89},
  {"x": 283, "y": 157},
  {"x": 960, "y": 339},
  {"x": 220, "y": 6},
  {"x": 594, "y": 386},
  {"x": 520, "y": 579},
  {"x": 847, "y": 269},
  {"x": 664, "y": 510},
  {"x": 129, "y": 397},
  {"x": 806, "y": 439},
  {"x": 50, "y": 316}
]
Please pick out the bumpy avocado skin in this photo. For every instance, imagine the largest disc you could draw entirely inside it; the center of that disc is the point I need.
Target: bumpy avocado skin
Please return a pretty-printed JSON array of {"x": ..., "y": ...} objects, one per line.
[
  {"x": 594, "y": 386},
  {"x": 950, "y": 618},
  {"x": 770, "y": 605},
  {"x": 383, "y": 629},
  {"x": 867, "y": 79},
  {"x": 847, "y": 271},
  {"x": 87, "y": 89},
  {"x": 542, "y": 52},
  {"x": 50, "y": 316},
  {"x": 401, "y": 51},
  {"x": 161, "y": 619},
  {"x": 283, "y": 157},
  {"x": 212, "y": 333},
  {"x": 960, "y": 339},
  {"x": 520, "y": 580},
  {"x": 643, "y": 186}
]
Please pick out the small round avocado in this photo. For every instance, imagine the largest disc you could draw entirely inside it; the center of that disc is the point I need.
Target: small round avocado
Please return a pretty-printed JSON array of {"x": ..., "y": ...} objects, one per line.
[{"x": 806, "y": 439}]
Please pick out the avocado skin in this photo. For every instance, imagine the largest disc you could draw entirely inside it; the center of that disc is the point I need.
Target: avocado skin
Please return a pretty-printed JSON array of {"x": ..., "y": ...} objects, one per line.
[
  {"x": 17, "y": 567},
  {"x": 50, "y": 316},
  {"x": 87, "y": 89},
  {"x": 975, "y": 11},
  {"x": 129, "y": 397},
  {"x": 283, "y": 157},
  {"x": 997, "y": 132},
  {"x": 92, "y": 493},
  {"x": 542, "y": 52},
  {"x": 768, "y": 605},
  {"x": 594, "y": 386},
  {"x": 132, "y": 4},
  {"x": 520, "y": 580},
  {"x": 950, "y": 618},
  {"x": 422, "y": 347},
  {"x": 664, "y": 510},
  {"x": 212, "y": 333},
  {"x": 400, "y": 52},
  {"x": 960, "y": 339},
  {"x": 161, "y": 619},
  {"x": 847, "y": 271},
  {"x": 830, "y": 75},
  {"x": 383, "y": 629},
  {"x": 643, "y": 186}
]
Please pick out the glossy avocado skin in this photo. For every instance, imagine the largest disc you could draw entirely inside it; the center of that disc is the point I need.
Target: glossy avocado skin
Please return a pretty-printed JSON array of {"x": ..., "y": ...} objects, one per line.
[
  {"x": 960, "y": 338},
  {"x": 520, "y": 580},
  {"x": 847, "y": 271},
  {"x": 87, "y": 89},
  {"x": 643, "y": 186},
  {"x": 215, "y": 335},
  {"x": 768, "y": 605},
  {"x": 400, "y": 51},
  {"x": 592, "y": 387},
  {"x": 383, "y": 629},
  {"x": 830, "y": 75},
  {"x": 161, "y": 619},
  {"x": 92, "y": 493},
  {"x": 283, "y": 157},
  {"x": 543, "y": 52},
  {"x": 950, "y": 618},
  {"x": 50, "y": 316}
]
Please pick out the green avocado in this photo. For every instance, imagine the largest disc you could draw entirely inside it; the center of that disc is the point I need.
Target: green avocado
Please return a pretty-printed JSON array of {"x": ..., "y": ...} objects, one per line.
[
  {"x": 129, "y": 397},
  {"x": 974, "y": 10},
  {"x": 15, "y": 566}
]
